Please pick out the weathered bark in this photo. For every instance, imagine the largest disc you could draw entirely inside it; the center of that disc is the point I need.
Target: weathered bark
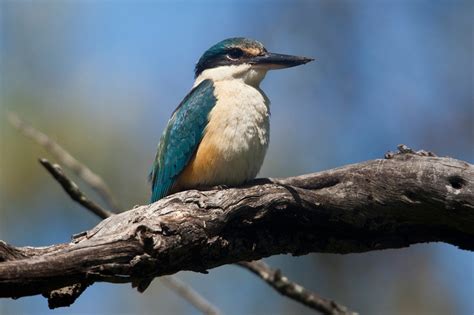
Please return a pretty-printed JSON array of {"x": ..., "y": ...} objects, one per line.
[{"x": 379, "y": 204}]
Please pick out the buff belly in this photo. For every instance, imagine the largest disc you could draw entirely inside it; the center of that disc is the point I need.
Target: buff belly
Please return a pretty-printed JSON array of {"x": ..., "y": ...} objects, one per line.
[{"x": 234, "y": 142}]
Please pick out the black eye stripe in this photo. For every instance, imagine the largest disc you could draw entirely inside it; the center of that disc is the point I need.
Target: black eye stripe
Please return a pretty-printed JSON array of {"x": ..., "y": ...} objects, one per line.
[{"x": 235, "y": 53}]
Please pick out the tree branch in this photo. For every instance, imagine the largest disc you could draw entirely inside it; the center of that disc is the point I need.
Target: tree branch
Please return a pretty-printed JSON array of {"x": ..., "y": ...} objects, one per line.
[
  {"x": 294, "y": 291},
  {"x": 67, "y": 295},
  {"x": 378, "y": 204}
]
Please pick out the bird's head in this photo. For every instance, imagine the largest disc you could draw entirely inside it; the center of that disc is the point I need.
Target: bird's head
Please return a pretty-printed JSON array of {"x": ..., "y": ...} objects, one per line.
[{"x": 242, "y": 58}]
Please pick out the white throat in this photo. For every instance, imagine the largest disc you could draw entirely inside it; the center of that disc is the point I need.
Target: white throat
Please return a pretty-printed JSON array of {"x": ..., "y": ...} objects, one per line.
[{"x": 248, "y": 74}]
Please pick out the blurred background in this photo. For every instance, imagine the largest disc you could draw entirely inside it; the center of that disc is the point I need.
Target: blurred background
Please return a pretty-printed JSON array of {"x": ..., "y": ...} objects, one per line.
[{"x": 102, "y": 78}]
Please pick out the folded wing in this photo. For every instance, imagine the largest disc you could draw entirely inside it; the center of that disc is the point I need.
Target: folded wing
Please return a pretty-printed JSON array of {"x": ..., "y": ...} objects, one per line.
[{"x": 181, "y": 138}]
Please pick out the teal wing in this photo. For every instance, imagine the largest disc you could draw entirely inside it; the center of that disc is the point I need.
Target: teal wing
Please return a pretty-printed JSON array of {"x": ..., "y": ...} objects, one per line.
[{"x": 181, "y": 138}]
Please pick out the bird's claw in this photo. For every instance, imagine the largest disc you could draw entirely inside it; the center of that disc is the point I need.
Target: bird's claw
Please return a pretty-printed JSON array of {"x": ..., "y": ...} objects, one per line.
[{"x": 220, "y": 187}]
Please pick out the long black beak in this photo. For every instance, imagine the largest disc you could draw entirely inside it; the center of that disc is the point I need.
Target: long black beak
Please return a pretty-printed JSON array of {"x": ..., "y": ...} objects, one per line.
[{"x": 279, "y": 61}]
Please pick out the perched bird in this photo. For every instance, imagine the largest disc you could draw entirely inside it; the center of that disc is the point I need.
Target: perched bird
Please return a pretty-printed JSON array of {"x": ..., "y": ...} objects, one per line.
[{"x": 219, "y": 133}]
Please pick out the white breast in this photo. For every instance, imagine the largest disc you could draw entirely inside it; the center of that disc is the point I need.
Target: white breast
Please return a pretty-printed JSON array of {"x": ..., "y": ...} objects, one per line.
[{"x": 239, "y": 130}]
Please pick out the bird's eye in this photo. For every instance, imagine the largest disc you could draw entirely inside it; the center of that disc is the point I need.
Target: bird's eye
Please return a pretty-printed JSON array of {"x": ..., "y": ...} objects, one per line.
[{"x": 235, "y": 53}]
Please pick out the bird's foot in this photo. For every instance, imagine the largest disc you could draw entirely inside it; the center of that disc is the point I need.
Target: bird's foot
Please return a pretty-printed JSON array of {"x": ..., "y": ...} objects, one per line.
[{"x": 219, "y": 187}]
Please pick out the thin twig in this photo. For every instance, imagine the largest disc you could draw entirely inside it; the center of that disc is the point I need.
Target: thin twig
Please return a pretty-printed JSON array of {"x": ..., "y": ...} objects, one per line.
[
  {"x": 91, "y": 178},
  {"x": 284, "y": 286},
  {"x": 188, "y": 293},
  {"x": 73, "y": 190}
]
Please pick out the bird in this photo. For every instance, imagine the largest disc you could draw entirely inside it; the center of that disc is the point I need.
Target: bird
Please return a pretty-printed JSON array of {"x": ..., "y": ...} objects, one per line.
[{"x": 219, "y": 134}]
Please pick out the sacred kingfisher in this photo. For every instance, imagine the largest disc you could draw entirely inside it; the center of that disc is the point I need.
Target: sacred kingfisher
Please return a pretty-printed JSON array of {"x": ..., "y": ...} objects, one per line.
[{"x": 219, "y": 133}]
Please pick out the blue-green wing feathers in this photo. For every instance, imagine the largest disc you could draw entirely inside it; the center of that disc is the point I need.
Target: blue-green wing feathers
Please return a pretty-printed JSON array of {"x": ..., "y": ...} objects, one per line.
[{"x": 181, "y": 138}]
